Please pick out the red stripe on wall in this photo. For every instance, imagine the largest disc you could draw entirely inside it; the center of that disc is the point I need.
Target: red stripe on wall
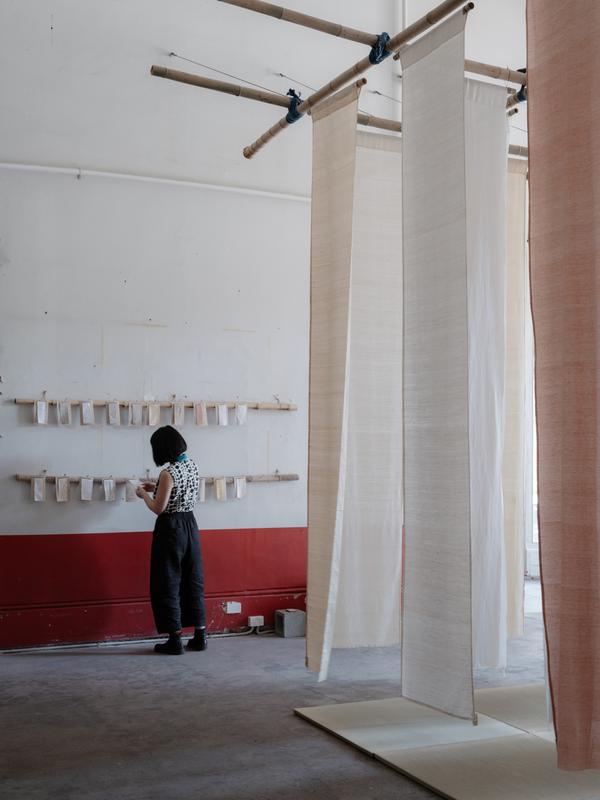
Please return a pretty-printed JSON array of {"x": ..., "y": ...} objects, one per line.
[{"x": 73, "y": 588}]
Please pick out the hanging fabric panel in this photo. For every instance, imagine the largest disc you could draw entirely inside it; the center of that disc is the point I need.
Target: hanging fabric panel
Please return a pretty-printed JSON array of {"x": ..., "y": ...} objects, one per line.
[
  {"x": 486, "y": 147},
  {"x": 564, "y": 165},
  {"x": 436, "y": 610},
  {"x": 334, "y": 145},
  {"x": 517, "y": 467},
  {"x": 367, "y": 611}
]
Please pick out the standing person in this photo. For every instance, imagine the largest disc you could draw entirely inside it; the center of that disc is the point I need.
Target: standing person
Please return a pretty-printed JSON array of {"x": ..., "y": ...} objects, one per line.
[{"x": 176, "y": 574}]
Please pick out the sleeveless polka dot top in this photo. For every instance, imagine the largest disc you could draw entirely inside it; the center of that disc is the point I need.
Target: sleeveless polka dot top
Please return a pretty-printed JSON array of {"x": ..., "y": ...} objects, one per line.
[{"x": 184, "y": 494}]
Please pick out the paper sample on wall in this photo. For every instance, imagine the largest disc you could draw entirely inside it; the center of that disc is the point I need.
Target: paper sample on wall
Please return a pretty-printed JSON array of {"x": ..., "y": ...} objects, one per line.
[
  {"x": 437, "y": 665},
  {"x": 517, "y": 468},
  {"x": 136, "y": 413},
  {"x": 178, "y": 414},
  {"x": 355, "y": 451},
  {"x": 221, "y": 489},
  {"x": 153, "y": 415},
  {"x": 240, "y": 487},
  {"x": 241, "y": 414},
  {"x": 202, "y": 490},
  {"x": 486, "y": 146},
  {"x": 200, "y": 415},
  {"x": 62, "y": 490},
  {"x": 222, "y": 414},
  {"x": 38, "y": 489},
  {"x": 87, "y": 413},
  {"x": 130, "y": 495},
  {"x": 114, "y": 412},
  {"x": 109, "y": 489},
  {"x": 86, "y": 488},
  {"x": 64, "y": 413},
  {"x": 40, "y": 412}
]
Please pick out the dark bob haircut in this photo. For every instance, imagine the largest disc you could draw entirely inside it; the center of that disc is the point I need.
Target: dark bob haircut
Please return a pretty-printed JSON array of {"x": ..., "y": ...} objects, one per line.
[{"x": 167, "y": 444}]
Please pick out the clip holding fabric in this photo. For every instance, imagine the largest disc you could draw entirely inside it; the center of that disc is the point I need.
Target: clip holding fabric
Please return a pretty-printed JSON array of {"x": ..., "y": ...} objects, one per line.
[
  {"x": 293, "y": 114},
  {"x": 379, "y": 50}
]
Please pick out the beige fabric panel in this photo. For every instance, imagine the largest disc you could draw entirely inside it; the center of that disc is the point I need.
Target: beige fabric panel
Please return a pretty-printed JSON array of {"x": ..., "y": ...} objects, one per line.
[
  {"x": 436, "y": 614},
  {"x": 334, "y": 148},
  {"x": 368, "y": 601},
  {"x": 517, "y": 468}
]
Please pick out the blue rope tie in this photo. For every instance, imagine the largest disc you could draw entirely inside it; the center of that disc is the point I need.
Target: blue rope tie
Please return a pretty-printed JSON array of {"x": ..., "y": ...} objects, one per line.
[
  {"x": 379, "y": 51},
  {"x": 522, "y": 93},
  {"x": 293, "y": 115}
]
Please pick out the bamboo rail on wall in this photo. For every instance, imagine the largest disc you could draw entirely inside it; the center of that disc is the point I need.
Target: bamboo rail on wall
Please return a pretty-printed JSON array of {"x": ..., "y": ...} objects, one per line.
[
  {"x": 418, "y": 27},
  {"x": 255, "y": 405},
  {"x": 274, "y": 478}
]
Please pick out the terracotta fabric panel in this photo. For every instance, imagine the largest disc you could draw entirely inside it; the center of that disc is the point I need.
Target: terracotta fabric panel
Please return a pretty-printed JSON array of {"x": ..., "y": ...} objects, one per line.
[
  {"x": 564, "y": 186},
  {"x": 517, "y": 466},
  {"x": 334, "y": 146},
  {"x": 436, "y": 601}
]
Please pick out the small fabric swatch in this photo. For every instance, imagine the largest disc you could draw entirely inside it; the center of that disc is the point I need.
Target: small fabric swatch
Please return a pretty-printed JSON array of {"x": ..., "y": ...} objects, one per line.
[
  {"x": 221, "y": 489},
  {"x": 200, "y": 415},
  {"x": 178, "y": 414},
  {"x": 130, "y": 495},
  {"x": 240, "y": 485},
  {"x": 114, "y": 412},
  {"x": 64, "y": 414},
  {"x": 87, "y": 413},
  {"x": 136, "y": 413},
  {"x": 40, "y": 412},
  {"x": 241, "y": 414},
  {"x": 154, "y": 414},
  {"x": 86, "y": 486},
  {"x": 222, "y": 414},
  {"x": 202, "y": 490},
  {"x": 109, "y": 489},
  {"x": 62, "y": 490},
  {"x": 38, "y": 489}
]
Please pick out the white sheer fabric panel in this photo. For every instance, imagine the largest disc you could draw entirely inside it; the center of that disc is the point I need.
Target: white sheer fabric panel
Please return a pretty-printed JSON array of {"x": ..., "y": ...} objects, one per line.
[
  {"x": 486, "y": 161},
  {"x": 436, "y": 615},
  {"x": 367, "y": 611},
  {"x": 518, "y": 434},
  {"x": 334, "y": 146}
]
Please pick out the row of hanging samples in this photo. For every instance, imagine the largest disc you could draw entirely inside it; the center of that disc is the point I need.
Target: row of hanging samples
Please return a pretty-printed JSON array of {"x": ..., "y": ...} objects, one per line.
[
  {"x": 142, "y": 413},
  {"x": 109, "y": 488}
]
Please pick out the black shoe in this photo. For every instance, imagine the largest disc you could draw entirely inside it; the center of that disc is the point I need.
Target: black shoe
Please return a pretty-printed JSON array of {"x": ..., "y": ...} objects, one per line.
[
  {"x": 172, "y": 647},
  {"x": 198, "y": 642}
]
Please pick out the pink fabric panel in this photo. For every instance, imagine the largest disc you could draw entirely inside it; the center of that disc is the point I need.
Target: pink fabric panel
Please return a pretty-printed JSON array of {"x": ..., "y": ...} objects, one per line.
[{"x": 564, "y": 169}]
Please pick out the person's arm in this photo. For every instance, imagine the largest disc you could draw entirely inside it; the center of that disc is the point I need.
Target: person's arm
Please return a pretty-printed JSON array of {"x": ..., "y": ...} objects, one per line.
[{"x": 159, "y": 503}]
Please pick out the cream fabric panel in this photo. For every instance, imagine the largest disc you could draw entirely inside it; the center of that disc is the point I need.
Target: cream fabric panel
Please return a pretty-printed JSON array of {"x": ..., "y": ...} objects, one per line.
[
  {"x": 334, "y": 146},
  {"x": 368, "y": 601},
  {"x": 517, "y": 469},
  {"x": 436, "y": 614},
  {"x": 486, "y": 159}
]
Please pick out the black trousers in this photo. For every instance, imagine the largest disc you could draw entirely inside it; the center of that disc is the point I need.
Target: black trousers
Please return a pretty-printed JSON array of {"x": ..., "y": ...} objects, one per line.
[{"x": 176, "y": 573}]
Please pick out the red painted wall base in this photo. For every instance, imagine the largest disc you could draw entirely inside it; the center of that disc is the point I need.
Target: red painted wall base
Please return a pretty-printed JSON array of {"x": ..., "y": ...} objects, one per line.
[{"x": 75, "y": 588}]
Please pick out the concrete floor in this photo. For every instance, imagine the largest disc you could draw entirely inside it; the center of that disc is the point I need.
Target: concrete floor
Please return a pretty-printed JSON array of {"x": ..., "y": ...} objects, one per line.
[{"x": 119, "y": 723}]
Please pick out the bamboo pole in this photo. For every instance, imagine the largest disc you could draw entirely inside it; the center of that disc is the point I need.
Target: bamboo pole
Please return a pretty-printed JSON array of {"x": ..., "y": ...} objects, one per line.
[
  {"x": 512, "y": 112},
  {"x": 274, "y": 478},
  {"x": 418, "y": 27},
  {"x": 498, "y": 73},
  {"x": 518, "y": 150},
  {"x": 255, "y": 405},
  {"x": 220, "y": 86},
  {"x": 513, "y": 99},
  {"x": 262, "y": 96},
  {"x": 306, "y": 20}
]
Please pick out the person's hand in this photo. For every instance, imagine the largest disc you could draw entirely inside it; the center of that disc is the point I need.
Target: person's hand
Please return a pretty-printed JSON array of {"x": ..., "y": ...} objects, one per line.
[
  {"x": 140, "y": 491},
  {"x": 149, "y": 486}
]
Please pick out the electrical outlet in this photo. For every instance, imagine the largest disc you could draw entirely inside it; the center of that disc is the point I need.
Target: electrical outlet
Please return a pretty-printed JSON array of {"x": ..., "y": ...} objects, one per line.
[
  {"x": 232, "y": 607},
  {"x": 256, "y": 621}
]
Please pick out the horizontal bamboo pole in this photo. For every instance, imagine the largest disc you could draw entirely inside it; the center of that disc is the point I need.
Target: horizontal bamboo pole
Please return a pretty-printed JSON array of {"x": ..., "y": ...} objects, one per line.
[
  {"x": 498, "y": 73},
  {"x": 511, "y": 112},
  {"x": 306, "y": 20},
  {"x": 255, "y": 405},
  {"x": 261, "y": 96},
  {"x": 418, "y": 27},
  {"x": 220, "y": 86},
  {"x": 513, "y": 99},
  {"x": 274, "y": 478},
  {"x": 518, "y": 150}
]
